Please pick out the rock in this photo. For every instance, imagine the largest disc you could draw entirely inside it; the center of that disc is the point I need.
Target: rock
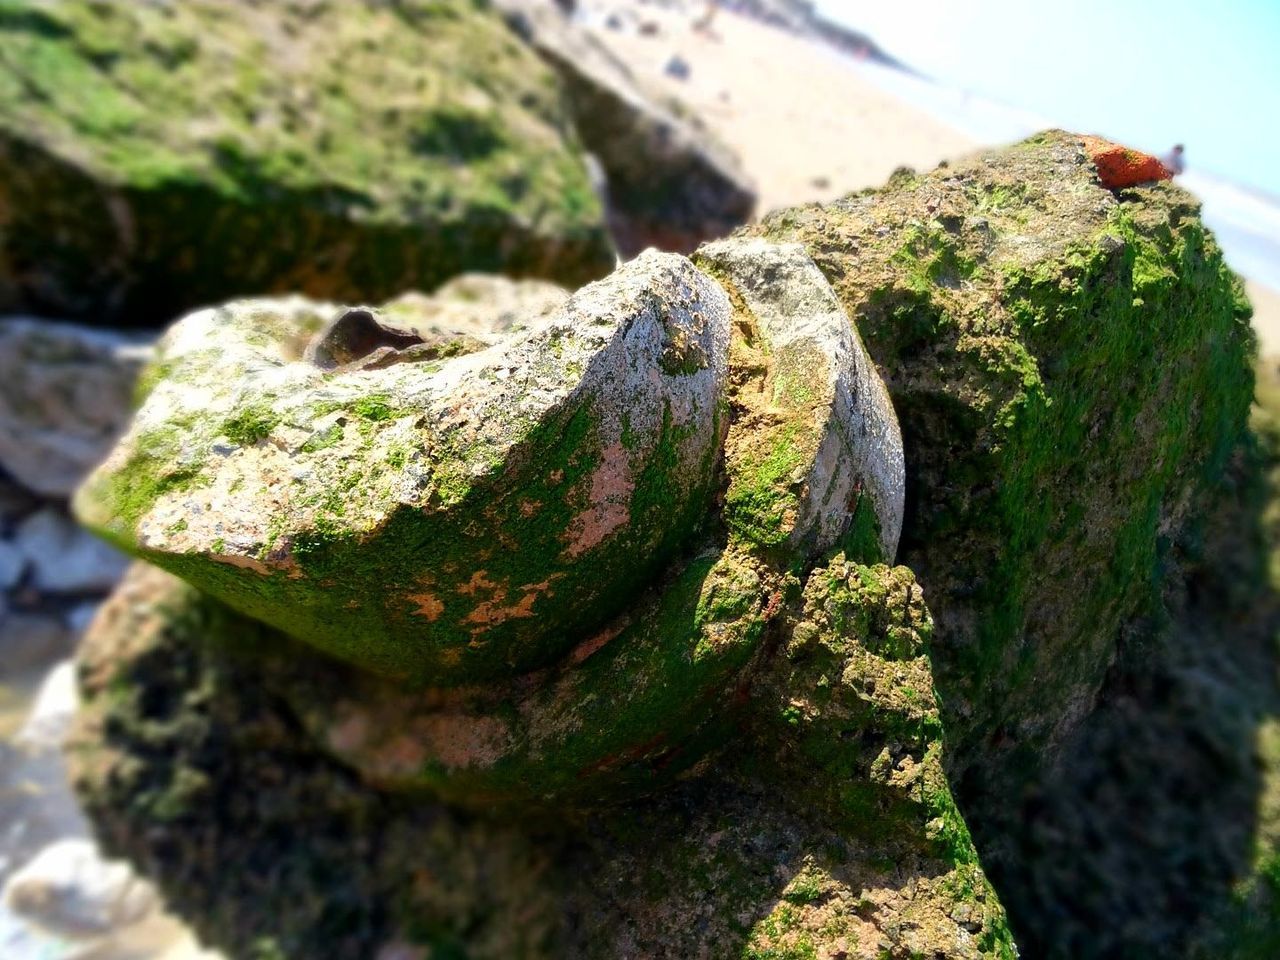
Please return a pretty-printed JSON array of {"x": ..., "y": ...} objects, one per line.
[
  {"x": 66, "y": 393},
  {"x": 1070, "y": 366},
  {"x": 743, "y": 755},
  {"x": 52, "y": 713},
  {"x": 68, "y": 888},
  {"x": 819, "y": 372},
  {"x": 12, "y": 565},
  {"x": 670, "y": 184},
  {"x": 30, "y": 640},
  {"x": 177, "y": 156},
  {"x": 977, "y": 290},
  {"x": 589, "y": 437},
  {"x": 65, "y": 558},
  {"x": 792, "y": 865}
]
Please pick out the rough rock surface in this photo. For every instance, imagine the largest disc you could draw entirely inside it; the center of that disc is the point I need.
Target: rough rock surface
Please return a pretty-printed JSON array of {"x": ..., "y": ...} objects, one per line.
[
  {"x": 159, "y": 157},
  {"x": 65, "y": 397},
  {"x": 1071, "y": 367},
  {"x": 863, "y": 855},
  {"x": 669, "y": 184},
  {"x": 853, "y": 446},
  {"x": 416, "y": 508}
]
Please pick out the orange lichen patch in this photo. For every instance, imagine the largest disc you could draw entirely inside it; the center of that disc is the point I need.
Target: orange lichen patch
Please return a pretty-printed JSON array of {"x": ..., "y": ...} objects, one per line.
[
  {"x": 609, "y": 502},
  {"x": 428, "y": 605},
  {"x": 493, "y": 611},
  {"x": 1119, "y": 166}
]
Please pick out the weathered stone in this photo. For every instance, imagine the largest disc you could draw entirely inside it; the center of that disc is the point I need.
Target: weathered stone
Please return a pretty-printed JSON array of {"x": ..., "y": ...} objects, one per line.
[
  {"x": 444, "y": 519},
  {"x": 159, "y": 157},
  {"x": 64, "y": 558},
  {"x": 754, "y": 857},
  {"x": 669, "y": 183},
  {"x": 838, "y": 437},
  {"x": 1070, "y": 366},
  {"x": 66, "y": 393},
  {"x": 68, "y": 888}
]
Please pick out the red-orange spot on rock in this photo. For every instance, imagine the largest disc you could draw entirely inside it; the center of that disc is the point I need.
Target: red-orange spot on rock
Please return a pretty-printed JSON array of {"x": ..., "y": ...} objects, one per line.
[{"x": 1119, "y": 166}]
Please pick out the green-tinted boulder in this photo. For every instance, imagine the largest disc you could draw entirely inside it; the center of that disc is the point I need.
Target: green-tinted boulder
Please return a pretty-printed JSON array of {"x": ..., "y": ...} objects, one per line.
[
  {"x": 1070, "y": 364},
  {"x": 191, "y": 764},
  {"x": 155, "y": 157},
  {"x": 432, "y": 505}
]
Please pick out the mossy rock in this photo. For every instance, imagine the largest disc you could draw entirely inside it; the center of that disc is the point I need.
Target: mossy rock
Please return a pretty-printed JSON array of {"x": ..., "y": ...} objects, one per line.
[
  {"x": 1070, "y": 364},
  {"x": 416, "y": 506},
  {"x": 191, "y": 764},
  {"x": 158, "y": 157}
]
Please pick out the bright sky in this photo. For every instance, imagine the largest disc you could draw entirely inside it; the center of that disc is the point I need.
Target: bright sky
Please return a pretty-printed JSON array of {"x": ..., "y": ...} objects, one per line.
[{"x": 1205, "y": 73}]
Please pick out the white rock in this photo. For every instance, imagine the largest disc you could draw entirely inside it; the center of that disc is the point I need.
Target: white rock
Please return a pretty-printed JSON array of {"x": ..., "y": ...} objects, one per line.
[
  {"x": 819, "y": 364},
  {"x": 12, "y": 565},
  {"x": 68, "y": 888},
  {"x": 51, "y": 714},
  {"x": 65, "y": 396},
  {"x": 65, "y": 557}
]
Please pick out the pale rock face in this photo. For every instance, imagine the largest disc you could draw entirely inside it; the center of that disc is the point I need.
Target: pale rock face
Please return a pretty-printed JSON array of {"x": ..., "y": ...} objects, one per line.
[
  {"x": 51, "y": 714},
  {"x": 69, "y": 888},
  {"x": 65, "y": 398},
  {"x": 845, "y": 426},
  {"x": 428, "y": 509},
  {"x": 65, "y": 558}
]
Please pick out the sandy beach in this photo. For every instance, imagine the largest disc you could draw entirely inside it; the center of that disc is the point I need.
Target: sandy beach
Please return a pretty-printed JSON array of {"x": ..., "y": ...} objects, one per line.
[{"x": 805, "y": 120}]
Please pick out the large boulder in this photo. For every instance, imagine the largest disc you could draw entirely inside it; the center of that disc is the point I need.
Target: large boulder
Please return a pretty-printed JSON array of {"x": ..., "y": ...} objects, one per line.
[
  {"x": 1070, "y": 361},
  {"x": 1070, "y": 364},
  {"x": 669, "y": 183},
  {"x": 414, "y": 504},
  {"x": 827, "y": 829},
  {"x": 159, "y": 156}
]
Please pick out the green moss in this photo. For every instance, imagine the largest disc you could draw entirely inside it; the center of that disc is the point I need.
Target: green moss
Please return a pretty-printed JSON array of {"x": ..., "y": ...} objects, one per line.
[
  {"x": 1066, "y": 370},
  {"x": 251, "y": 425},
  {"x": 444, "y": 147},
  {"x": 761, "y": 501}
]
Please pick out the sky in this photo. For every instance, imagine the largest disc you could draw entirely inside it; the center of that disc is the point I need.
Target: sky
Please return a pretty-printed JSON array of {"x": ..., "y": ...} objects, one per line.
[{"x": 1205, "y": 73}]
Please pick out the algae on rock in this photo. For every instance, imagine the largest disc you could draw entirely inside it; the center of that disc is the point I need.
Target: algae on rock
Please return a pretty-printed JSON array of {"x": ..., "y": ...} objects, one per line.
[
  {"x": 1070, "y": 365},
  {"x": 158, "y": 157},
  {"x": 1071, "y": 368},
  {"x": 192, "y": 765}
]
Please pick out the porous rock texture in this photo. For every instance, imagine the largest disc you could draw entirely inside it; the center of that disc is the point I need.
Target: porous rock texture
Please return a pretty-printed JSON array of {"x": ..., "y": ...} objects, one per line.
[
  {"x": 155, "y": 157},
  {"x": 850, "y": 846},
  {"x": 747, "y": 761},
  {"x": 1071, "y": 366},
  {"x": 412, "y": 504},
  {"x": 668, "y": 182}
]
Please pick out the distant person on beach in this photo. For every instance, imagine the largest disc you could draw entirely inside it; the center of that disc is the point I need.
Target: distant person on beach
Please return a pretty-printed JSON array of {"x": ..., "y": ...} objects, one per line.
[{"x": 1173, "y": 161}]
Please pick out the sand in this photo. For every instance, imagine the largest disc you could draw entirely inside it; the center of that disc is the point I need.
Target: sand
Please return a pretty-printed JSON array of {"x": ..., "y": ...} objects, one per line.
[{"x": 806, "y": 123}]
